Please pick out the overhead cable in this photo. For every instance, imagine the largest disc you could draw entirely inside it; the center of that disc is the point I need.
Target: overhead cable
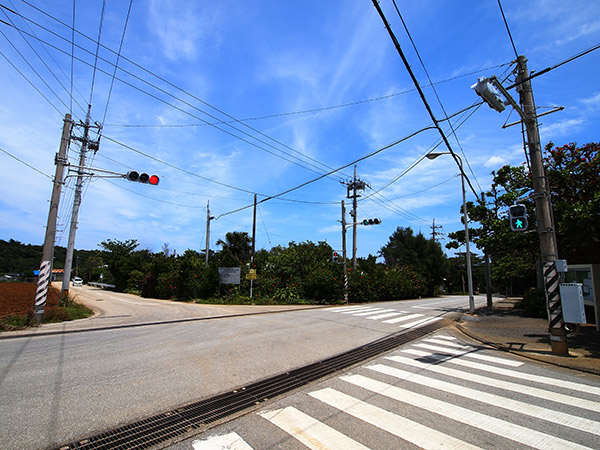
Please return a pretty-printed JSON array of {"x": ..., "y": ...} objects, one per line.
[
  {"x": 183, "y": 101},
  {"x": 422, "y": 95}
]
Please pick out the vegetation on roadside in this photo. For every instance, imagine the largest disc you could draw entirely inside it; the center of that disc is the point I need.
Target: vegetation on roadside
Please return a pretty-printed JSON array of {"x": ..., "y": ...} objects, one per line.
[{"x": 16, "y": 307}]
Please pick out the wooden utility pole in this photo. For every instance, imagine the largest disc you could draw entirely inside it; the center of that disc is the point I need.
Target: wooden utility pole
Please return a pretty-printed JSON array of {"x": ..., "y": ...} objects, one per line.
[
  {"x": 545, "y": 226},
  {"x": 48, "y": 248}
]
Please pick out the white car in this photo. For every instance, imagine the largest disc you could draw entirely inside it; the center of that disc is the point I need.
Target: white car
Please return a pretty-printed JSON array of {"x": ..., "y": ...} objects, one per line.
[{"x": 77, "y": 281}]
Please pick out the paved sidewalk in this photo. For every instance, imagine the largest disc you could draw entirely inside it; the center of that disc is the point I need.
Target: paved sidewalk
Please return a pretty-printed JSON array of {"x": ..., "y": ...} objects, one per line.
[{"x": 506, "y": 328}]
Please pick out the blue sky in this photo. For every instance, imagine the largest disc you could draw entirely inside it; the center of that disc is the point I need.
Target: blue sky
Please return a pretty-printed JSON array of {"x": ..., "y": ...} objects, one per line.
[{"x": 263, "y": 96}]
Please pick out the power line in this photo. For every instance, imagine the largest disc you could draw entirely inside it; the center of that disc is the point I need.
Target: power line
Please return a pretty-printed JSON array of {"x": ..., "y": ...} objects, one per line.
[
  {"x": 435, "y": 92},
  {"x": 416, "y": 83},
  {"x": 508, "y": 30},
  {"x": 112, "y": 81},
  {"x": 29, "y": 81},
  {"x": 173, "y": 166},
  {"x": 183, "y": 101},
  {"x": 97, "y": 50},
  {"x": 335, "y": 170},
  {"x": 313, "y": 110},
  {"x": 25, "y": 163}
]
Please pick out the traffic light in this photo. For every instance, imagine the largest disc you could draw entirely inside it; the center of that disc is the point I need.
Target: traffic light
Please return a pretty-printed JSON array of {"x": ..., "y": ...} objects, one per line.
[
  {"x": 489, "y": 94},
  {"x": 371, "y": 222},
  {"x": 518, "y": 217},
  {"x": 334, "y": 256},
  {"x": 132, "y": 175}
]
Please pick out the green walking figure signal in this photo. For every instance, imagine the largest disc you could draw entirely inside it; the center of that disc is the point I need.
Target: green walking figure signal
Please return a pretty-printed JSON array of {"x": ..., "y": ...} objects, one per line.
[{"x": 518, "y": 217}]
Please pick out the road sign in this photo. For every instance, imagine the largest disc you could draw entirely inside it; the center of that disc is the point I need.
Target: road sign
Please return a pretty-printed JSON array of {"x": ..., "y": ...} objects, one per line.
[{"x": 229, "y": 275}]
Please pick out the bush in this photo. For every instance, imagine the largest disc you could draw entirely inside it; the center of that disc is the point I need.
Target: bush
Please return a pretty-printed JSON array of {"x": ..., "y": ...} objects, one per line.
[{"x": 534, "y": 303}]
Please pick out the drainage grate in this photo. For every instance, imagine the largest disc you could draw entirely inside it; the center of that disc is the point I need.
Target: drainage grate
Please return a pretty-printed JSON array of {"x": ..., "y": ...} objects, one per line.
[{"x": 158, "y": 429}]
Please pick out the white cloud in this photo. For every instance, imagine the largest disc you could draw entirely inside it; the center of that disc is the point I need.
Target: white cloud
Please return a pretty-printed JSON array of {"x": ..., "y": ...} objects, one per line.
[
  {"x": 181, "y": 27},
  {"x": 495, "y": 162},
  {"x": 560, "y": 128}
]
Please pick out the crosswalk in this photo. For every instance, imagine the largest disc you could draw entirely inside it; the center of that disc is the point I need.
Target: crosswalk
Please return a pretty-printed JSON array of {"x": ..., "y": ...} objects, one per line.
[
  {"x": 435, "y": 393},
  {"x": 403, "y": 319}
]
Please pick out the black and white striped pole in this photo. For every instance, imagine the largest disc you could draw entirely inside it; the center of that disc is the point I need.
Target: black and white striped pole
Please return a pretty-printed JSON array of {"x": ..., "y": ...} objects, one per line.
[{"x": 46, "y": 265}]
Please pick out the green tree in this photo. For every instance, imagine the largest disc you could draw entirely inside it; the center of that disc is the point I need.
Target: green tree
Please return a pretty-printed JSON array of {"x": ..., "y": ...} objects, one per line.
[
  {"x": 574, "y": 179},
  {"x": 236, "y": 246},
  {"x": 122, "y": 260},
  {"x": 423, "y": 256}
]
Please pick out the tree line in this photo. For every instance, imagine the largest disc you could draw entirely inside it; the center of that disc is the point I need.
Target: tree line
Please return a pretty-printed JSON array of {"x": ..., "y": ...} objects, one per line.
[{"x": 412, "y": 266}]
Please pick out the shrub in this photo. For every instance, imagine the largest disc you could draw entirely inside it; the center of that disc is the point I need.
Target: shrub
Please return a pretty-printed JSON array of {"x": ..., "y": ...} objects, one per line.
[{"x": 534, "y": 303}]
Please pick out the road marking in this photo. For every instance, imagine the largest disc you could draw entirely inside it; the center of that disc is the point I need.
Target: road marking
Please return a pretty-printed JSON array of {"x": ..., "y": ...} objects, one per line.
[
  {"x": 417, "y": 323},
  {"x": 390, "y": 314},
  {"x": 490, "y": 424},
  {"x": 126, "y": 301},
  {"x": 346, "y": 308},
  {"x": 229, "y": 441},
  {"x": 406, "y": 429},
  {"x": 368, "y": 313},
  {"x": 517, "y": 406},
  {"x": 470, "y": 354},
  {"x": 586, "y": 388},
  {"x": 363, "y": 310},
  {"x": 448, "y": 343},
  {"x": 312, "y": 433},
  {"x": 403, "y": 319},
  {"x": 501, "y": 384}
]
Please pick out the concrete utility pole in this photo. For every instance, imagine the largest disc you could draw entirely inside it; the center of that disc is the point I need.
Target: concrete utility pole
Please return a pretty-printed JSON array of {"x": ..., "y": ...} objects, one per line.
[
  {"x": 86, "y": 144},
  {"x": 208, "y": 219},
  {"x": 488, "y": 273},
  {"x": 48, "y": 249},
  {"x": 434, "y": 229},
  {"x": 356, "y": 185},
  {"x": 543, "y": 212},
  {"x": 253, "y": 231},
  {"x": 344, "y": 252}
]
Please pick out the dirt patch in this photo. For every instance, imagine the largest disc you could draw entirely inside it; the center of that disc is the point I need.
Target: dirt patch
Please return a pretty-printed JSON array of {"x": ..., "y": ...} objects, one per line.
[{"x": 17, "y": 299}]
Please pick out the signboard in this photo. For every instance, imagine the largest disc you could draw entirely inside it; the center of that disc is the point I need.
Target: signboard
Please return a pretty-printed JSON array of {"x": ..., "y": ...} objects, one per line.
[
  {"x": 229, "y": 275},
  {"x": 251, "y": 275}
]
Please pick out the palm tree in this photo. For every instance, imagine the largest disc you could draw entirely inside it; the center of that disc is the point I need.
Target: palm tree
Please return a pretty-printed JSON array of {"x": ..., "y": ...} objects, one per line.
[{"x": 238, "y": 244}]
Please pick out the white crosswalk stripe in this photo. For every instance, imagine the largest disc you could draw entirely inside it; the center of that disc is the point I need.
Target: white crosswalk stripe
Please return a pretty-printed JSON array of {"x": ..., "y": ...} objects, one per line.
[
  {"x": 507, "y": 372},
  {"x": 406, "y": 429},
  {"x": 310, "y": 432},
  {"x": 500, "y": 427},
  {"x": 415, "y": 394},
  {"x": 231, "y": 441}
]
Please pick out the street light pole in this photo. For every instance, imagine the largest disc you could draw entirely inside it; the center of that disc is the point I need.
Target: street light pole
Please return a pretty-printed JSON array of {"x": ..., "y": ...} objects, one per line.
[{"x": 466, "y": 220}]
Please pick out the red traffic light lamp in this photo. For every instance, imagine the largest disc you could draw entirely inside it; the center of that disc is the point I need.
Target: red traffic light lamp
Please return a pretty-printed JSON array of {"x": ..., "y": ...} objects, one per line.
[{"x": 133, "y": 175}]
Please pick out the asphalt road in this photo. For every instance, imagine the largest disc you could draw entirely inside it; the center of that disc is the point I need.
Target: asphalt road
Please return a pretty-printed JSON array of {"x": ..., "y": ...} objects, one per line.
[
  {"x": 98, "y": 373},
  {"x": 441, "y": 391}
]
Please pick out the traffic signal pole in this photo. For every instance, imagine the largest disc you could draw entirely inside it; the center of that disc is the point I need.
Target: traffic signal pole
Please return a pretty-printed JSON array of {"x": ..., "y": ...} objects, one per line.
[
  {"x": 543, "y": 213},
  {"x": 48, "y": 248}
]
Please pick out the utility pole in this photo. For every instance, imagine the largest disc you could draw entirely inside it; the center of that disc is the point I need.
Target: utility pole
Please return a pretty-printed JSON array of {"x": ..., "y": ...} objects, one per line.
[
  {"x": 86, "y": 145},
  {"x": 434, "y": 229},
  {"x": 48, "y": 248},
  {"x": 344, "y": 252},
  {"x": 545, "y": 226},
  {"x": 253, "y": 231},
  {"x": 488, "y": 274},
  {"x": 354, "y": 186},
  {"x": 208, "y": 219}
]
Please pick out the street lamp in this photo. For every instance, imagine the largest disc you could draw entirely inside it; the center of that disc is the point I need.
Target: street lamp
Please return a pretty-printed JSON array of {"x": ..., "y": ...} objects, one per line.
[{"x": 466, "y": 220}]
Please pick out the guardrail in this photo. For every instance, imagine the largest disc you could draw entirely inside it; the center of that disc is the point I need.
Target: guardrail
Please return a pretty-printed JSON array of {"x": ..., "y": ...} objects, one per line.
[{"x": 102, "y": 285}]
